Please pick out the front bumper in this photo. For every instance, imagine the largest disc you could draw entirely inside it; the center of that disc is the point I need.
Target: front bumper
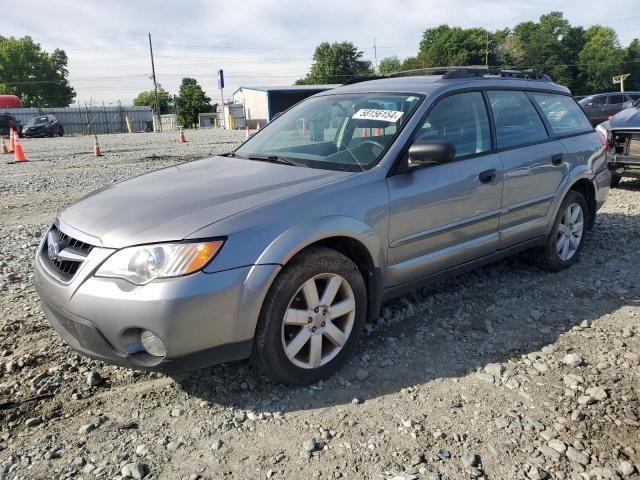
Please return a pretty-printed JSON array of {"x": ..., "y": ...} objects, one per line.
[
  {"x": 32, "y": 134},
  {"x": 202, "y": 318},
  {"x": 625, "y": 166}
]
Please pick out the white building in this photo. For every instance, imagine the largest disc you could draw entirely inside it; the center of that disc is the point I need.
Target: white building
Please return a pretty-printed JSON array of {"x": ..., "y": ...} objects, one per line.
[{"x": 261, "y": 104}]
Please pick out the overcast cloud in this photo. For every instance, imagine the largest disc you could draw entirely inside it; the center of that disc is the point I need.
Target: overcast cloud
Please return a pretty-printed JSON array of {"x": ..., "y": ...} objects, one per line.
[{"x": 257, "y": 42}]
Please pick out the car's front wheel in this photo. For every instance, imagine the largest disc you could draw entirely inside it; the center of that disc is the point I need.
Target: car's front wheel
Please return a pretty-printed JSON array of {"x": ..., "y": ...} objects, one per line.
[
  {"x": 566, "y": 239},
  {"x": 311, "y": 318}
]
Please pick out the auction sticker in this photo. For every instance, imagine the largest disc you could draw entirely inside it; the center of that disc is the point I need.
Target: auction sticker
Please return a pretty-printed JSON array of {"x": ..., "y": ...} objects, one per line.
[{"x": 373, "y": 114}]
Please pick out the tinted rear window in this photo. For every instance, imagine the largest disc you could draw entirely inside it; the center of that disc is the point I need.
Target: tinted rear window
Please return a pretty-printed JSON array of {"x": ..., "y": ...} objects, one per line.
[
  {"x": 517, "y": 121},
  {"x": 563, "y": 114},
  {"x": 616, "y": 99}
]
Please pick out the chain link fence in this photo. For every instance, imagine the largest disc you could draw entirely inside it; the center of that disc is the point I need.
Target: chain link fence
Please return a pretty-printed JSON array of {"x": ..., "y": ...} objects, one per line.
[{"x": 91, "y": 120}]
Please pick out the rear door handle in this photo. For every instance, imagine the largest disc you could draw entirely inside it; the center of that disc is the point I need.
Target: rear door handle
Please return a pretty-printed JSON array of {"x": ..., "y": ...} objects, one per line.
[
  {"x": 557, "y": 159},
  {"x": 488, "y": 176}
]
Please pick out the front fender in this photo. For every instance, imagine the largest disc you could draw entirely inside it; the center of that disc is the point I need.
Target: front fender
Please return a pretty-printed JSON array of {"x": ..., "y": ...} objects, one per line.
[{"x": 286, "y": 245}]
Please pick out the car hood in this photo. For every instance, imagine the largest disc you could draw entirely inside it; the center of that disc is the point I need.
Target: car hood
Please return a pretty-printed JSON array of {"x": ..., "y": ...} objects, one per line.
[
  {"x": 171, "y": 203},
  {"x": 629, "y": 118}
]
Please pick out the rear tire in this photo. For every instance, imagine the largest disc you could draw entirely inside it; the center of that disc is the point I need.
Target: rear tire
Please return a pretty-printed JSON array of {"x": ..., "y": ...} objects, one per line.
[
  {"x": 300, "y": 340},
  {"x": 615, "y": 180},
  {"x": 564, "y": 243}
]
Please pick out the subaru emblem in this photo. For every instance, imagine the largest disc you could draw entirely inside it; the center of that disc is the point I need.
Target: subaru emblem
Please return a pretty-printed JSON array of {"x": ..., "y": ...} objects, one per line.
[{"x": 53, "y": 250}]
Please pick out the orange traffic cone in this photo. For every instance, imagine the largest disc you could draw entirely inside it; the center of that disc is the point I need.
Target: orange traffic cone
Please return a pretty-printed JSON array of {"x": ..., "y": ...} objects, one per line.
[
  {"x": 11, "y": 140},
  {"x": 258, "y": 126},
  {"x": 96, "y": 147},
  {"x": 246, "y": 132},
  {"x": 18, "y": 155},
  {"x": 181, "y": 137},
  {"x": 3, "y": 146}
]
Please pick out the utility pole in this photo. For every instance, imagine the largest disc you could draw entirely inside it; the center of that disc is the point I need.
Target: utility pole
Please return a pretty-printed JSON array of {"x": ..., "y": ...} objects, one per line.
[
  {"x": 486, "y": 52},
  {"x": 155, "y": 87},
  {"x": 375, "y": 54},
  {"x": 175, "y": 109}
]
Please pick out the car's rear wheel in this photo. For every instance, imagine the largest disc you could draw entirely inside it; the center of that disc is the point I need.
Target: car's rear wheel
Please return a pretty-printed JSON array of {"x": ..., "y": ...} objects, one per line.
[
  {"x": 312, "y": 317},
  {"x": 615, "y": 180},
  {"x": 564, "y": 243},
  {"x": 61, "y": 132}
]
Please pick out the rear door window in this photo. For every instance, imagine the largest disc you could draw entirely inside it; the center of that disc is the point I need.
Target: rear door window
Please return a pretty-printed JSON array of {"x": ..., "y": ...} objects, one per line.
[
  {"x": 461, "y": 119},
  {"x": 517, "y": 121},
  {"x": 616, "y": 99},
  {"x": 564, "y": 115}
]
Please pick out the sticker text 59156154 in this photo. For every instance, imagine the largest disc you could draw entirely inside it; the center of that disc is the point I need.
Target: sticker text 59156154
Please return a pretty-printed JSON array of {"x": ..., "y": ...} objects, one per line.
[{"x": 374, "y": 114}]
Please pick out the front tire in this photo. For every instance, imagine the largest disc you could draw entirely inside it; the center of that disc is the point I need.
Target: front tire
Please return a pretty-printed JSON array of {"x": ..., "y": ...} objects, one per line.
[
  {"x": 312, "y": 317},
  {"x": 564, "y": 243}
]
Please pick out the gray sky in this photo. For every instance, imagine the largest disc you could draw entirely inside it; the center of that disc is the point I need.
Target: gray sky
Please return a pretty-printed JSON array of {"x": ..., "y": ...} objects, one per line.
[{"x": 258, "y": 42}]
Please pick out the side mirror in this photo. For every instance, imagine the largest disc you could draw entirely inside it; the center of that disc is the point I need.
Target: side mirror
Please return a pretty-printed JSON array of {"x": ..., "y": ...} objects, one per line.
[{"x": 430, "y": 153}]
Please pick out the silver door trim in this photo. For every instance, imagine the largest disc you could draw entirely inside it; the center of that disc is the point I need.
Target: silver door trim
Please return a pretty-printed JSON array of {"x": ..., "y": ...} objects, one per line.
[{"x": 443, "y": 228}]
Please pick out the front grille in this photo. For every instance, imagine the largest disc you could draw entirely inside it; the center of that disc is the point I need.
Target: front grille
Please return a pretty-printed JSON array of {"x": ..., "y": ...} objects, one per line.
[{"x": 66, "y": 256}]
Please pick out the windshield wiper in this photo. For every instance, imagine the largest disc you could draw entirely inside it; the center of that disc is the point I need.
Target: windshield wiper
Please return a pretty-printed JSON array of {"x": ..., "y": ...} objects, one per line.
[
  {"x": 264, "y": 158},
  {"x": 233, "y": 155},
  {"x": 273, "y": 159}
]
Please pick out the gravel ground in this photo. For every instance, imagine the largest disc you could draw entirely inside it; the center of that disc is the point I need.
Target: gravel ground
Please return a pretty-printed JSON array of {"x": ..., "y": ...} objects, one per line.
[{"x": 507, "y": 372}]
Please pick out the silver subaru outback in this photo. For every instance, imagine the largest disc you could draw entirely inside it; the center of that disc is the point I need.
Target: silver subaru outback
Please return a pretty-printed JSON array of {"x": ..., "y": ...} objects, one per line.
[{"x": 282, "y": 249}]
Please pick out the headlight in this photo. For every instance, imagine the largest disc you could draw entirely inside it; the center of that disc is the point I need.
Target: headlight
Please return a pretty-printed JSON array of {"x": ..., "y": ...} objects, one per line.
[{"x": 142, "y": 264}]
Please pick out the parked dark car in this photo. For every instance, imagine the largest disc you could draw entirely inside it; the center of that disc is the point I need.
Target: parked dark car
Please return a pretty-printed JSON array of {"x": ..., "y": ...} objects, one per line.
[
  {"x": 601, "y": 106},
  {"x": 7, "y": 121},
  {"x": 43, "y": 126},
  {"x": 623, "y": 144}
]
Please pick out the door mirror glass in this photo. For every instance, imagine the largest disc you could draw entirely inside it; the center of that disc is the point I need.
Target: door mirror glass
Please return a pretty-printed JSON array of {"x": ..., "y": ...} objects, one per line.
[{"x": 430, "y": 153}]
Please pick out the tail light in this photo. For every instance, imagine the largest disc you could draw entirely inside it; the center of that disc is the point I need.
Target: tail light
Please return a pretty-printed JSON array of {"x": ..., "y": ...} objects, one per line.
[{"x": 603, "y": 133}]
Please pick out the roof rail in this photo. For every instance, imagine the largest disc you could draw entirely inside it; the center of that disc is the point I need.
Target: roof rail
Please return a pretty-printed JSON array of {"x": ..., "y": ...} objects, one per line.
[{"x": 482, "y": 71}]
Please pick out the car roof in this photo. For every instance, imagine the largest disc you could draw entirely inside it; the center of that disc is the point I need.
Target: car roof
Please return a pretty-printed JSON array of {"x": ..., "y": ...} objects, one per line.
[{"x": 429, "y": 84}]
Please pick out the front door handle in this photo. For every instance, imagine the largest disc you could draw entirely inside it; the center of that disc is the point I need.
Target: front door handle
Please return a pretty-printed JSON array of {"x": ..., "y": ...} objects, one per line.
[
  {"x": 488, "y": 176},
  {"x": 557, "y": 159}
]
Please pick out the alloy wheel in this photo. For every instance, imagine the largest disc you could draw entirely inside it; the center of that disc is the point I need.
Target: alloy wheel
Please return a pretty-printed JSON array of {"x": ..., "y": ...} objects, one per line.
[
  {"x": 318, "y": 321},
  {"x": 570, "y": 232}
]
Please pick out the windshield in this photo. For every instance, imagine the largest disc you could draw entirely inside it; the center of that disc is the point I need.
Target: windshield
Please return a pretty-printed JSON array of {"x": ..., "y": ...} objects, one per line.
[
  {"x": 37, "y": 121},
  {"x": 585, "y": 100},
  {"x": 336, "y": 132}
]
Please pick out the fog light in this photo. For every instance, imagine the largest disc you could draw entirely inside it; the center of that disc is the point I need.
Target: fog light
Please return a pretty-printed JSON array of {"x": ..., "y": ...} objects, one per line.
[{"x": 152, "y": 344}]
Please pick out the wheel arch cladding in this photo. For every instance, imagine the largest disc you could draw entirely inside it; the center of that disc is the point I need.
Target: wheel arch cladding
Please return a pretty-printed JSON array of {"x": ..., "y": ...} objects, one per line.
[
  {"x": 346, "y": 235},
  {"x": 358, "y": 253},
  {"x": 588, "y": 191}
]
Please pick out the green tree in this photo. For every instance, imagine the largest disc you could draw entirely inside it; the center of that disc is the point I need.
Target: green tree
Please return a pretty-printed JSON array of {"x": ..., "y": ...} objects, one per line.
[
  {"x": 412, "y": 63},
  {"x": 148, "y": 99},
  {"x": 336, "y": 63},
  {"x": 600, "y": 58},
  {"x": 550, "y": 46},
  {"x": 39, "y": 78},
  {"x": 191, "y": 101},
  {"x": 632, "y": 65},
  {"x": 389, "y": 65},
  {"x": 445, "y": 46}
]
